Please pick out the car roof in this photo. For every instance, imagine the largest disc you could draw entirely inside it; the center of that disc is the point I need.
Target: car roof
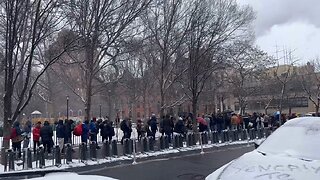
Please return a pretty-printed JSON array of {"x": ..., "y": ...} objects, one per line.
[{"x": 303, "y": 121}]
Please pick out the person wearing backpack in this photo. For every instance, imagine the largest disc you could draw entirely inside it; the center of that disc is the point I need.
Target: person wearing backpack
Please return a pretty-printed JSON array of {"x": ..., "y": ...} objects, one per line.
[
  {"x": 16, "y": 138},
  {"x": 93, "y": 131},
  {"x": 153, "y": 125},
  {"x": 85, "y": 132}
]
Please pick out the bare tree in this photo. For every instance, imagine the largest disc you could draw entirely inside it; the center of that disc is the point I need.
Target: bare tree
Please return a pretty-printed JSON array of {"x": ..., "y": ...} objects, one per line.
[
  {"x": 212, "y": 25},
  {"x": 25, "y": 25},
  {"x": 247, "y": 64},
  {"x": 309, "y": 78},
  {"x": 284, "y": 75},
  {"x": 166, "y": 25},
  {"x": 101, "y": 25}
]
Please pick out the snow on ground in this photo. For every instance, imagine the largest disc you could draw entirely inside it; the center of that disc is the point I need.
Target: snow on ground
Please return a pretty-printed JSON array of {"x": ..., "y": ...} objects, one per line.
[
  {"x": 76, "y": 163},
  {"x": 69, "y": 175}
]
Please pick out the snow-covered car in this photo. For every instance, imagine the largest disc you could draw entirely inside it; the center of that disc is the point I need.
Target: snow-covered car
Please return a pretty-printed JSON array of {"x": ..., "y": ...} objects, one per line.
[
  {"x": 71, "y": 176},
  {"x": 290, "y": 153}
]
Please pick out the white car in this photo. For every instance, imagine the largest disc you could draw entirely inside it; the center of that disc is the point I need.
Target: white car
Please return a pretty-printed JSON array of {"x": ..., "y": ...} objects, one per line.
[
  {"x": 292, "y": 152},
  {"x": 71, "y": 176}
]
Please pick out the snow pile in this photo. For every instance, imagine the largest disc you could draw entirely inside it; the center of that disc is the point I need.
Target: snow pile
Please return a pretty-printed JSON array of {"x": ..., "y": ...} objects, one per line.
[{"x": 68, "y": 175}]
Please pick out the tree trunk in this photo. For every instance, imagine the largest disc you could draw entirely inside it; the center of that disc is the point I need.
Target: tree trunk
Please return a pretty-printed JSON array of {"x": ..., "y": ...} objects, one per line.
[
  {"x": 88, "y": 100},
  {"x": 144, "y": 106},
  {"x": 7, "y": 123},
  {"x": 194, "y": 112},
  {"x": 161, "y": 103}
]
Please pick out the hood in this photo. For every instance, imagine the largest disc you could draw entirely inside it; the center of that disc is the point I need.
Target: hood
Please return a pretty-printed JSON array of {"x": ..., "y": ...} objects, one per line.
[{"x": 258, "y": 166}]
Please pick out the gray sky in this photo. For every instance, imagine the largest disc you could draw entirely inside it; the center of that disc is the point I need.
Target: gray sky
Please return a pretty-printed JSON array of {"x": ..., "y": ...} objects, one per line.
[{"x": 290, "y": 24}]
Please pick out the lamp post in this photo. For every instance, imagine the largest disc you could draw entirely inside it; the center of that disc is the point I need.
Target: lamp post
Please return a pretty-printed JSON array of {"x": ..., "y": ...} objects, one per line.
[
  {"x": 68, "y": 108},
  {"x": 100, "y": 110}
]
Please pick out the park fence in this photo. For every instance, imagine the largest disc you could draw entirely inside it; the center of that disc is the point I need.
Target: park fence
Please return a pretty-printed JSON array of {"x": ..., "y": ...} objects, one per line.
[{"x": 113, "y": 149}]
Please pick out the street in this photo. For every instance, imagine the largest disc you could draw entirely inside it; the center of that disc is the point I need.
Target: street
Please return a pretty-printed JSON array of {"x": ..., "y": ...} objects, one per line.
[{"x": 194, "y": 166}]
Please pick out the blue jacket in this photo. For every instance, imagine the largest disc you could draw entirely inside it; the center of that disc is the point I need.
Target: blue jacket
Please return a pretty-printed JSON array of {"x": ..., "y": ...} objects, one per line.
[
  {"x": 61, "y": 131},
  {"x": 93, "y": 129},
  {"x": 85, "y": 132}
]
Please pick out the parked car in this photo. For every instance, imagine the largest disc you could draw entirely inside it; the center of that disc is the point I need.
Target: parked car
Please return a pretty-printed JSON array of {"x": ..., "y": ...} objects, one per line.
[
  {"x": 290, "y": 153},
  {"x": 71, "y": 175}
]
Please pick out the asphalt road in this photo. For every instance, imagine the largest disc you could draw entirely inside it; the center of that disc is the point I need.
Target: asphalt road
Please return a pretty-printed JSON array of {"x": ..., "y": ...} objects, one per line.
[{"x": 187, "y": 167}]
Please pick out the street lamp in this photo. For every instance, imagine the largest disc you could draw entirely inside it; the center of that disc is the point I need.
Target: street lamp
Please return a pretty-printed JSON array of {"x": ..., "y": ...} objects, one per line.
[
  {"x": 67, "y": 107},
  {"x": 100, "y": 110}
]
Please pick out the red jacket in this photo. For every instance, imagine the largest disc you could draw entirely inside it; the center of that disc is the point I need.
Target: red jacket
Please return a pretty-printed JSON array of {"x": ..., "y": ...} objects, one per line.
[{"x": 36, "y": 134}]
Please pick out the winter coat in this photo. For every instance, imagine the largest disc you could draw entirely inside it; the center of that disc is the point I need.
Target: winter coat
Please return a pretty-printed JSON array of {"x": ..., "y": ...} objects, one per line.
[
  {"x": 93, "y": 128},
  {"x": 167, "y": 125},
  {"x": 69, "y": 126},
  {"x": 179, "y": 127},
  {"x": 46, "y": 133},
  {"x": 126, "y": 126},
  {"x": 202, "y": 127},
  {"x": 234, "y": 120},
  {"x": 16, "y": 133},
  {"x": 27, "y": 129},
  {"x": 107, "y": 130},
  {"x": 61, "y": 131},
  {"x": 36, "y": 133},
  {"x": 85, "y": 132},
  {"x": 153, "y": 124}
]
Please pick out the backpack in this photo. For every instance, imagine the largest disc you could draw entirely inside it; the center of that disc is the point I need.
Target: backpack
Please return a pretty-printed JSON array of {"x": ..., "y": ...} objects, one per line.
[
  {"x": 13, "y": 133},
  {"x": 123, "y": 125},
  {"x": 78, "y": 130}
]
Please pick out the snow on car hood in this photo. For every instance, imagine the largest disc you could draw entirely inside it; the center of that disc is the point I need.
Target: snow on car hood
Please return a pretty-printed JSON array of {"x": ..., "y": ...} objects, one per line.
[
  {"x": 256, "y": 166},
  {"x": 71, "y": 176}
]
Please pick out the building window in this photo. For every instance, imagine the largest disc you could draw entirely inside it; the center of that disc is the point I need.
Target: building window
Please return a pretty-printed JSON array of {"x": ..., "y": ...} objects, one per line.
[{"x": 298, "y": 102}]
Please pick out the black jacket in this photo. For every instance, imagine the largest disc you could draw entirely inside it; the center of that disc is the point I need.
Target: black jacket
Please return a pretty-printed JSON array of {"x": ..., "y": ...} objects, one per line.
[
  {"x": 46, "y": 133},
  {"x": 179, "y": 127}
]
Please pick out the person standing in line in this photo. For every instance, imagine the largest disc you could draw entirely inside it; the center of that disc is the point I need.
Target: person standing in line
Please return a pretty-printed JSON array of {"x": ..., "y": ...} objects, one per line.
[
  {"x": 153, "y": 125},
  {"x": 16, "y": 138},
  {"x": 85, "y": 132},
  {"x": 167, "y": 126},
  {"x": 46, "y": 134},
  {"x": 27, "y": 134},
  {"x": 61, "y": 134},
  {"x": 36, "y": 136},
  {"x": 126, "y": 127}
]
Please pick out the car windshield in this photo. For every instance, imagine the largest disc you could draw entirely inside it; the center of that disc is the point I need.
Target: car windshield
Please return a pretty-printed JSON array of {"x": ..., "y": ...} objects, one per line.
[{"x": 297, "y": 138}]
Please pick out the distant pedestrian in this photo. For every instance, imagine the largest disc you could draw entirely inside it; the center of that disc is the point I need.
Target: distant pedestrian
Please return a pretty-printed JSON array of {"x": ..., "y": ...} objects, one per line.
[
  {"x": 140, "y": 130},
  {"x": 85, "y": 132},
  {"x": 16, "y": 138},
  {"x": 180, "y": 127},
  {"x": 27, "y": 133},
  {"x": 107, "y": 130},
  {"x": 126, "y": 128},
  {"x": 167, "y": 126},
  {"x": 68, "y": 130},
  {"x": 36, "y": 136},
  {"x": 93, "y": 131},
  {"x": 46, "y": 134},
  {"x": 61, "y": 134},
  {"x": 153, "y": 125}
]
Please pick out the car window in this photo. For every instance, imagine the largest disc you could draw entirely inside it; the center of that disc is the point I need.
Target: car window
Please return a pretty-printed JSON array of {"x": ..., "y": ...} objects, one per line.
[{"x": 299, "y": 138}]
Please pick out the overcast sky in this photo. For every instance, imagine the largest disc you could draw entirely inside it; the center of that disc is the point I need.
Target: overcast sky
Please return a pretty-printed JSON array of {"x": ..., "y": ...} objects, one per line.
[{"x": 293, "y": 24}]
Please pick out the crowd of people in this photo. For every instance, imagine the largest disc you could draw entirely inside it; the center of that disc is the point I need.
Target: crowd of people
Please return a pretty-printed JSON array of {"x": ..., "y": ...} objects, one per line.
[{"x": 43, "y": 134}]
